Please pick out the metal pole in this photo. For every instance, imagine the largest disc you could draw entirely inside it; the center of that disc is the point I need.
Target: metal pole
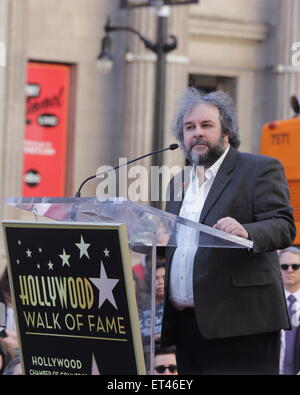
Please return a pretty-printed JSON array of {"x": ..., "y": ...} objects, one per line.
[
  {"x": 159, "y": 101},
  {"x": 153, "y": 304}
]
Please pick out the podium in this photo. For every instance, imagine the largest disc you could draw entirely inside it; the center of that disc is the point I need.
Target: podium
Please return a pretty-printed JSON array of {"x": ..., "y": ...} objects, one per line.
[{"x": 127, "y": 230}]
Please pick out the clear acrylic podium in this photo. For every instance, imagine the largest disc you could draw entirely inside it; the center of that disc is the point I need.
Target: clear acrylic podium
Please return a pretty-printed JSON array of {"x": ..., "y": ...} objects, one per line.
[{"x": 147, "y": 229}]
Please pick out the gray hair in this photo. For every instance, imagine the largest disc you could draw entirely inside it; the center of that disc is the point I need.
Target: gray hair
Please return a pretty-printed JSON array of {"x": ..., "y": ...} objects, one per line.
[
  {"x": 191, "y": 97},
  {"x": 293, "y": 250}
]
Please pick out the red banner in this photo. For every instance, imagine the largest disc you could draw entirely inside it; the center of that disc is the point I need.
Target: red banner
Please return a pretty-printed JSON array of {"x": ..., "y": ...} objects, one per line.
[{"x": 45, "y": 144}]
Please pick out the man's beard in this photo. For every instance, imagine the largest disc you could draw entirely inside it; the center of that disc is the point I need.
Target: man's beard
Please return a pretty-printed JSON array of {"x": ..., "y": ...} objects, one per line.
[{"x": 208, "y": 158}]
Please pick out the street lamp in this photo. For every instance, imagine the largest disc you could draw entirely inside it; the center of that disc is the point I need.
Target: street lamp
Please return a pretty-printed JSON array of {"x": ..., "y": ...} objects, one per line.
[
  {"x": 105, "y": 54},
  {"x": 105, "y": 60},
  {"x": 161, "y": 48}
]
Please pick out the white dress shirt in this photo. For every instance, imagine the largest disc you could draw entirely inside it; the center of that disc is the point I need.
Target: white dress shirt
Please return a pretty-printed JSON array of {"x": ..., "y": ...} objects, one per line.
[
  {"x": 296, "y": 321},
  {"x": 181, "y": 276}
]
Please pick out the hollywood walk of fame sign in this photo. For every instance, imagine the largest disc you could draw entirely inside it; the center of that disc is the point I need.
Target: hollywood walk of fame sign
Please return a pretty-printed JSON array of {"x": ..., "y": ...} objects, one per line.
[{"x": 74, "y": 297}]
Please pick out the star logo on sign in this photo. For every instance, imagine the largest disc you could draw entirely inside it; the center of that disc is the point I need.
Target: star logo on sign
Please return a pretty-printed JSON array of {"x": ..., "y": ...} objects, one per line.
[
  {"x": 65, "y": 258},
  {"x": 83, "y": 248},
  {"x": 28, "y": 253},
  {"x": 106, "y": 252},
  {"x": 105, "y": 286}
]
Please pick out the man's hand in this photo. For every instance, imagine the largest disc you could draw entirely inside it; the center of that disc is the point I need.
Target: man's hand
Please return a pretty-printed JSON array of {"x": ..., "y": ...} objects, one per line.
[{"x": 230, "y": 225}]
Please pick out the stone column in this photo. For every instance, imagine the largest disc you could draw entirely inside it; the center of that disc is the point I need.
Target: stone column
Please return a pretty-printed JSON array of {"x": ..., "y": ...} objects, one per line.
[
  {"x": 13, "y": 15},
  {"x": 288, "y": 76},
  {"x": 139, "y": 85}
]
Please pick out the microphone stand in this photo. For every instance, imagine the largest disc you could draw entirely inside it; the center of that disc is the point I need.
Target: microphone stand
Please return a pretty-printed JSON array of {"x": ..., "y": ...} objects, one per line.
[{"x": 171, "y": 147}]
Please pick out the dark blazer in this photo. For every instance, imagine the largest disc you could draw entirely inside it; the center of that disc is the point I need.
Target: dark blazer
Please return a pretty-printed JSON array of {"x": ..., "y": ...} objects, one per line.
[{"x": 239, "y": 292}]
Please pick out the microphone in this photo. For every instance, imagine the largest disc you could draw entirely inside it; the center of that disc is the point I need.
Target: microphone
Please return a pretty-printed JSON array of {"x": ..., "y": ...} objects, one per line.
[{"x": 171, "y": 147}]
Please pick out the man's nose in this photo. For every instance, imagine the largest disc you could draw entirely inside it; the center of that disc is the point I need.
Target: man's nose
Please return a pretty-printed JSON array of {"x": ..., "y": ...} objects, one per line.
[{"x": 198, "y": 131}]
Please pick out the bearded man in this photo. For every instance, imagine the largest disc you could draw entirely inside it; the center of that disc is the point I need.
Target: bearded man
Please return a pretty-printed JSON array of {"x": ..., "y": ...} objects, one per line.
[{"x": 225, "y": 307}]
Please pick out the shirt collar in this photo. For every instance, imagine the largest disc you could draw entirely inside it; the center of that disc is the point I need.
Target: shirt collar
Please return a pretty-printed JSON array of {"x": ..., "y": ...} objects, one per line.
[{"x": 296, "y": 294}]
